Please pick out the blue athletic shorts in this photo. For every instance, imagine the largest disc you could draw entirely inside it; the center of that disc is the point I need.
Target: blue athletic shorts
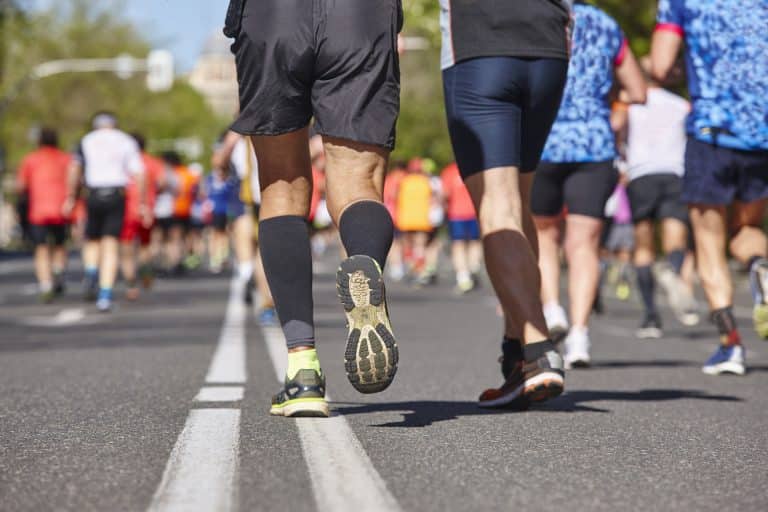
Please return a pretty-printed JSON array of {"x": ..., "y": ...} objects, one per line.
[
  {"x": 715, "y": 175},
  {"x": 501, "y": 109},
  {"x": 465, "y": 230}
]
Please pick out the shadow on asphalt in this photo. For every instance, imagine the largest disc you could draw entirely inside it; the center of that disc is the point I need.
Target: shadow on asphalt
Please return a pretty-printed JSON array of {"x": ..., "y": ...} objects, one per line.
[{"x": 425, "y": 413}]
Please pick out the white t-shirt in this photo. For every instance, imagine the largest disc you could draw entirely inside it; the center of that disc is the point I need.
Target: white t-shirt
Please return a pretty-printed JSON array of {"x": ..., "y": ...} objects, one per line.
[
  {"x": 110, "y": 158},
  {"x": 244, "y": 158},
  {"x": 656, "y": 142}
]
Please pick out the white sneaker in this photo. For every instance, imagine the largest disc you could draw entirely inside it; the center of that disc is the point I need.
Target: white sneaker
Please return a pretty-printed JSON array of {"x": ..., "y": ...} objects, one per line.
[
  {"x": 577, "y": 344},
  {"x": 557, "y": 321},
  {"x": 679, "y": 296}
]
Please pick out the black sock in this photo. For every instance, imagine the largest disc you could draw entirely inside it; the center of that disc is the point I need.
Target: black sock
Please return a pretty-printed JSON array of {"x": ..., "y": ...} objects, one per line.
[
  {"x": 726, "y": 326},
  {"x": 646, "y": 284},
  {"x": 512, "y": 353},
  {"x": 366, "y": 228},
  {"x": 676, "y": 259},
  {"x": 287, "y": 258}
]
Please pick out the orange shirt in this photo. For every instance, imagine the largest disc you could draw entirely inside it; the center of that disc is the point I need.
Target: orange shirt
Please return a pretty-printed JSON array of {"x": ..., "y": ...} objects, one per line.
[
  {"x": 43, "y": 173},
  {"x": 185, "y": 191},
  {"x": 413, "y": 203},
  {"x": 153, "y": 170},
  {"x": 460, "y": 205}
]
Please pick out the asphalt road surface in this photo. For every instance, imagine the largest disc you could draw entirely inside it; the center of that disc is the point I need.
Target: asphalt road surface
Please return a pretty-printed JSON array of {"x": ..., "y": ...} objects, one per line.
[{"x": 163, "y": 404}]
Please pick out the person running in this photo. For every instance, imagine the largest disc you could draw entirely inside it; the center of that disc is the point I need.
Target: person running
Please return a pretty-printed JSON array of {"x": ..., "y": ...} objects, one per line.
[
  {"x": 466, "y": 248},
  {"x": 726, "y": 157},
  {"x": 137, "y": 228},
  {"x": 396, "y": 258},
  {"x": 337, "y": 62},
  {"x": 43, "y": 177},
  {"x": 504, "y": 68},
  {"x": 577, "y": 172},
  {"x": 108, "y": 158},
  {"x": 218, "y": 189},
  {"x": 414, "y": 198},
  {"x": 184, "y": 198},
  {"x": 619, "y": 241},
  {"x": 655, "y": 151}
]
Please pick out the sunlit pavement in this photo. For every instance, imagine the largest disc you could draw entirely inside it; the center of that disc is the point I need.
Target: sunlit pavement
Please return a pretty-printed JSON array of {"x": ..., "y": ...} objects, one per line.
[{"x": 162, "y": 405}]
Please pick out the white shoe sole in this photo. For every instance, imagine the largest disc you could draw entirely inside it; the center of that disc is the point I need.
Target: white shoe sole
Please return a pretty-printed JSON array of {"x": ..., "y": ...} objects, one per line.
[
  {"x": 727, "y": 367},
  {"x": 315, "y": 409},
  {"x": 537, "y": 389}
]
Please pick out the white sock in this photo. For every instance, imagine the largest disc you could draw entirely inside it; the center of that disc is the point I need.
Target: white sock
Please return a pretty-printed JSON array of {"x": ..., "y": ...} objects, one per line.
[{"x": 245, "y": 270}]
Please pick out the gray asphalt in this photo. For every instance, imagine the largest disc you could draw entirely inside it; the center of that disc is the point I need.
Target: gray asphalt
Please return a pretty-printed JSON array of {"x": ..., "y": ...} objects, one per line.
[{"x": 89, "y": 412}]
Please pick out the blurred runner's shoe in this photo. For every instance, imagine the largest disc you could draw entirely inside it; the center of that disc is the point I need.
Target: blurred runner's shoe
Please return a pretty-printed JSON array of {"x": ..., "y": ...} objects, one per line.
[
  {"x": 577, "y": 344},
  {"x": 557, "y": 321},
  {"x": 371, "y": 354},
  {"x": 758, "y": 281},
  {"x": 726, "y": 359},
  {"x": 302, "y": 396},
  {"x": 268, "y": 316},
  {"x": 650, "y": 328},
  {"x": 679, "y": 296},
  {"x": 104, "y": 301}
]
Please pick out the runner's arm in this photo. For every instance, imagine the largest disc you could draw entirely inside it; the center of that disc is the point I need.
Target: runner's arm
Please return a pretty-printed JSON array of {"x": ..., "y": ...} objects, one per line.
[
  {"x": 631, "y": 78},
  {"x": 223, "y": 154},
  {"x": 665, "y": 45}
]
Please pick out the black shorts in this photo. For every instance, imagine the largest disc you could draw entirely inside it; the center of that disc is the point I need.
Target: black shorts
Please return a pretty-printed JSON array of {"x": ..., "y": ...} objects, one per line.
[
  {"x": 335, "y": 60},
  {"x": 42, "y": 234},
  {"x": 106, "y": 210},
  {"x": 657, "y": 197},
  {"x": 715, "y": 175},
  {"x": 501, "y": 109},
  {"x": 584, "y": 187},
  {"x": 185, "y": 223},
  {"x": 164, "y": 224},
  {"x": 220, "y": 221}
]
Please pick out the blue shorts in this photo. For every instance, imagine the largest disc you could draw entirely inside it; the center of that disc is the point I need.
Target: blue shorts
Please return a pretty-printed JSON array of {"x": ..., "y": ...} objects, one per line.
[
  {"x": 501, "y": 109},
  {"x": 465, "y": 230},
  {"x": 715, "y": 175}
]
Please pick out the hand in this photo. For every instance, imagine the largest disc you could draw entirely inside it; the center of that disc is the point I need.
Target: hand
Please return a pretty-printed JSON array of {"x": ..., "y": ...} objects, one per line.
[{"x": 67, "y": 207}]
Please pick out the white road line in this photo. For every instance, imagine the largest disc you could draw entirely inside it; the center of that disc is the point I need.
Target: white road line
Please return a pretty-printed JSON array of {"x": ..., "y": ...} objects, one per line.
[
  {"x": 228, "y": 365},
  {"x": 201, "y": 474},
  {"x": 202, "y": 471},
  {"x": 220, "y": 394},
  {"x": 343, "y": 477}
]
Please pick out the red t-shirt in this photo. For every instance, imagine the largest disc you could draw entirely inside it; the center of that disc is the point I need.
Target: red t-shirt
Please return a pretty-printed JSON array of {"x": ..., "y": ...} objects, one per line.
[
  {"x": 43, "y": 173},
  {"x": 153, "y": 170},
  {"x": 460, "y": 206}
]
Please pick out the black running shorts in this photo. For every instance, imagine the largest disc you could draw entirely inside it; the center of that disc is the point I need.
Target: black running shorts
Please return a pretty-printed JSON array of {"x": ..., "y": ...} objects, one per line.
[
  {"x": 657, "y": 197},
  {"x": 42, "y": 234},
  {"x": 334, "y": 60},
  {"x": 106, "y": 209},
  {"x": 584, "y": 187}
]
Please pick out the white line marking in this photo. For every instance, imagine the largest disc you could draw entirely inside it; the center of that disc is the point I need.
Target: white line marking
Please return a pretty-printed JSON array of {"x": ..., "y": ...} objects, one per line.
[
  {"x": 64, "y": 318},
  {"x": 201, "y": 474},
  {"x": 220, "y": 394},
  {"x": 228, "y": 365},
  {"x": 343, "y": 477},
  {"x": 202, "y": 471}
]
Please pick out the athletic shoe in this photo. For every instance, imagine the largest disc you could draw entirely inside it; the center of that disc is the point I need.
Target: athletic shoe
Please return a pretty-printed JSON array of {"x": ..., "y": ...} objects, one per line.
[
  {"x": 90, "y": 288},
  {"x": 758, "y": 281},
  {"x": 268, "y": 316},
  {"x": 301, "y": 396},
  {"x": 726, "y": 359},
  {"x": 528, "y": 382},
  {"x": 557, "y": 322},
  {"x": 371, "y": 354},
  {"x": 679, "y": 296},
  {"x": 104, "y": 301},
  {"x": 464, "y": 286},
  {"x": 623, "y": 290},
  {"x": 650, "y": 328},
  {"x": 47, "y": 297},
  {"x": 576, "y": 353},
  {"x": 132, "y": 292}
]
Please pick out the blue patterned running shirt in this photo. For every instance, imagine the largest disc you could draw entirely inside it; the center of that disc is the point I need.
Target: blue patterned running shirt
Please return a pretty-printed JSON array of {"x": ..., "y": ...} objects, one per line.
[
  {"x": 726, "y": 51},
  {"x": 582, "y": 131}
]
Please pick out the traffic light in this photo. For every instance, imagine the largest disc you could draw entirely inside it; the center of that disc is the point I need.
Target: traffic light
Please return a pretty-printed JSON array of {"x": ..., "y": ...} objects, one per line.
[{"x": 160, "y": 71}]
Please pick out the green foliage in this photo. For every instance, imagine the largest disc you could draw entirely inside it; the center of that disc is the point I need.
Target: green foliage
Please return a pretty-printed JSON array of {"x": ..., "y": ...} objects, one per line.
[{"x": 88, "y": 29}]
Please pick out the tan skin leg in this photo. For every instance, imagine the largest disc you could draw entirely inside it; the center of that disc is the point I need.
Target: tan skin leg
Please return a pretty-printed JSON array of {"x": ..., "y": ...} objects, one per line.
[
  {"x": 59, "y": 258},
  {"x": 674, "y": 235},
  {"x": 645, "y": 251},
  {"x": 128, "y": 260},
  {"x": 748, "y": 238},
  {"x": 582, "y": 250},
  {"x": 548, "y": 231},
  {"x": 91, "y": 250},
  {"x": 109, "y": 257},
  {"x": 459, "y": 256},
  {"x": 43, "y": 266},
  {"x": 176, "y": 245},
  {"x": 710, "y": 232},
  {"x": 242, "y": 238},
  {"x": 475, "y": 252},
  {"x": 500, "y": 196}
]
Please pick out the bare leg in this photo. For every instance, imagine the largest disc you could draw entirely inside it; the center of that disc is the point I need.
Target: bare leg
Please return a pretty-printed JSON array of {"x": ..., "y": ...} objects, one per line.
[
  {"x": 749, "y": 239},
  {"x": 549, "y": 234},
  {"x": 710, "y": 233},
  {"x": 582, "y": 247},
  {"x": 43, "y": 268},
  {"x": 128, "y": 261},
  {"x": 459, "y": 258},
  {"x": 109, "y": 257},
  {"x": 91, "y": 250},
  {"x": 59, "y": 259},
  {"x": 475, "y": 252}
]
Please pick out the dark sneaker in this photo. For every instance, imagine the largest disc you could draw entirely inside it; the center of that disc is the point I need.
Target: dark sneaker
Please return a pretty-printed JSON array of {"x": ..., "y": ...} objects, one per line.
[
  {"x": 47, "y": 296},
  {"x": 371, "y": 354},
  {"x": 302, "y": 396},
  {"x": 528, "y": 382},
  {"x": 650, "y": 328}
]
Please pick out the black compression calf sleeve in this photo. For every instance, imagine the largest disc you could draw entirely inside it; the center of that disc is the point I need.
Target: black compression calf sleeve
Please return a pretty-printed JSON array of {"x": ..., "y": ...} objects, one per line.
[
  {"x": 646, "y": 284},
  {"x": 287, "y": 258},
  {"x": 676, "y": 258},
  {"x": 366, "y": 228}
]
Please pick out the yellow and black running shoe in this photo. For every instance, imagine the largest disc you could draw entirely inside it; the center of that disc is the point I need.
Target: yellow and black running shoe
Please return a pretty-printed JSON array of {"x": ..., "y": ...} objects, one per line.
[
  {"x": 371, "y": 355},
  {"x": 301, "y": 396}
]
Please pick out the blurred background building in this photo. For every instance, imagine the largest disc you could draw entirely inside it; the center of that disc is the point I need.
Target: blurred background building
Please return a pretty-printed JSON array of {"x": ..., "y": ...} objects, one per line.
[{"x": 214, "y": 75}]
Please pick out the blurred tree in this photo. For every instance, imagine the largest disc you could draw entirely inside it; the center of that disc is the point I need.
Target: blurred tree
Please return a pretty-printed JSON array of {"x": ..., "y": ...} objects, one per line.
[{"x": 89, "y": 29}]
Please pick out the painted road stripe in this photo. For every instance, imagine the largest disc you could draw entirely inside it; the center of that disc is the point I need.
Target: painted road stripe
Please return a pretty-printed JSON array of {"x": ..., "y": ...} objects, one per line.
[
  {"x": 201, "y": 473},
  {"x": 343, "y": 477},
  {"x": 228, "y": 365},
  {"x": 220, "y": 394}
]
